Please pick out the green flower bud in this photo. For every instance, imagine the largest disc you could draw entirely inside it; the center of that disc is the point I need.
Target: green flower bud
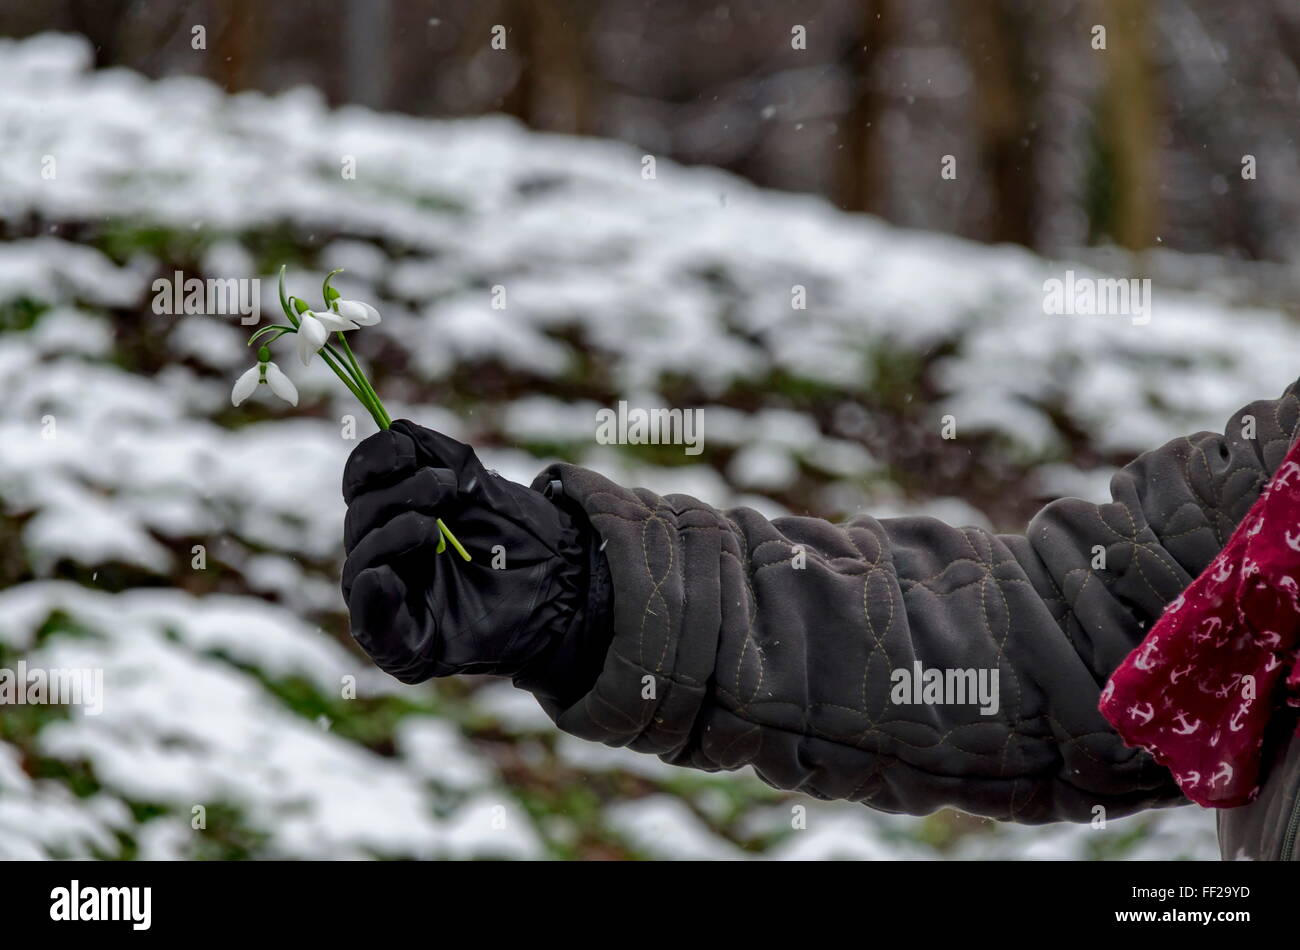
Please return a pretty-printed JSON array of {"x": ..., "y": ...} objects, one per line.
[
  {"x": 264, "y": 354},
  {"x": 328, "y": 292}
]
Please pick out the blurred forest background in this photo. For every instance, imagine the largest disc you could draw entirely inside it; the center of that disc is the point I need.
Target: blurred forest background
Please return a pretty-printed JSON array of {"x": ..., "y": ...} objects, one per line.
[
  {"x": 127, "y": 154},
  {"x": 1059, "y": 145}
]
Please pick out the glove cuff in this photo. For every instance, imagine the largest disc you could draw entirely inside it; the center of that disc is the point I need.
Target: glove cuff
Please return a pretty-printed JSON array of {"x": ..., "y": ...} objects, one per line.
[{"x": 564, "y": 670}]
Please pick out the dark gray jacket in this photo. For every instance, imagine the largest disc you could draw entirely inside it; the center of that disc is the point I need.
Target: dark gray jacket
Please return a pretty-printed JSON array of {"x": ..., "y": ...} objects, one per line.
[{"x": 742, "y": 641}]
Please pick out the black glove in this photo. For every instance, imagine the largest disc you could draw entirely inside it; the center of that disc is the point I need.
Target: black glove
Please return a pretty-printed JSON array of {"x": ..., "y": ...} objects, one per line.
[{"x": 540, "y": 614}]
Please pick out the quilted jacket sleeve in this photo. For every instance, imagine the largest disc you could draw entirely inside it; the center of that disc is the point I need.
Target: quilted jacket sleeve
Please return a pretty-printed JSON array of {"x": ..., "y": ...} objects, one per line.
[{"x": 738, "y": 641}]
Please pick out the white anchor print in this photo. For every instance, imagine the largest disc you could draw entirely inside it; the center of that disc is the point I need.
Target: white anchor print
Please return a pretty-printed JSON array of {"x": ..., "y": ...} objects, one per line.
[
  {"x": 1229, "y": 641},
  {"x": 1188, "y": 728},
  {"x": 1283, "y": 475},
  {"x": 1223, "y": 691},
  {"x": 1223, "y": 570},
  {"x": 1144, "y": 714},
  {"x": 1209, "y": 625},
  {"x": 1143, "y": 660},
  {"x": 1234, "y": 723},
  {"x": 1206, "y": 685}
]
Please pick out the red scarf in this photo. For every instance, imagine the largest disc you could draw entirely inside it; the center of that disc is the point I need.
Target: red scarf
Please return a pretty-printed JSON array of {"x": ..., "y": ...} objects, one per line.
[{"x": 1201, "y": 688}]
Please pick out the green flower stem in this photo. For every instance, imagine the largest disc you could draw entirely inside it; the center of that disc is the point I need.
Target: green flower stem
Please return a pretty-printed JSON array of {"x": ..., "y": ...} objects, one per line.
[
  {"x": 334, "y": 359},
  {"x": 455, "y": 543},
  {"x": 346, "y": 368},
  {"x": 370, "y": 399},
  {"x": 347, "y": 381},
  {"x": 329, "y": 357},
  {"x": 267, "y": 329},
  {"x": 362, "y": 380}
]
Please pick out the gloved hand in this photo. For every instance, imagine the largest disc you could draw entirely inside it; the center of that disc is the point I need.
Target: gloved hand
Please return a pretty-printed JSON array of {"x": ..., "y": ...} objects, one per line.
[{"x": 533, "y": 616}]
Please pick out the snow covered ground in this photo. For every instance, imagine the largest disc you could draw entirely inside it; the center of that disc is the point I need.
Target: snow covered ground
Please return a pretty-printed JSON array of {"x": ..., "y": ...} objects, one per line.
[{"x": 191, "y": 550}]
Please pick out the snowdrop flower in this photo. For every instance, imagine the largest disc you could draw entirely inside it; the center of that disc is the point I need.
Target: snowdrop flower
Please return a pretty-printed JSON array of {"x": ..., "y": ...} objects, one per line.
[
  {"x": 280, "y": 384},
  {"x": 311, "y": 336},
  {"x": 264, "y": 371},
  {"x": 314, "y": 328},
  {"x": 311, "y": 330},
  {"x": 358, "y": 311}
]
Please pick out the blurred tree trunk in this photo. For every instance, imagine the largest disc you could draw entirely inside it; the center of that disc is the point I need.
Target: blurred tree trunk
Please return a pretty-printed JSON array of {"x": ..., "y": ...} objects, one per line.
[
  {"x": 100, "y": 21},
  {"x": 519, "y": 14},
  {"x": 860, "y": 173},
  {"x": 1128, "y": 124},
  {"x": 562, "y": 98},
  {"x": 996, "y": 49},
  {"x": 553, "y": 89},
  {"x": 369, "y": 50},
  {"x": 123, "y": 32},
  {"x": 234, "y": 44}
]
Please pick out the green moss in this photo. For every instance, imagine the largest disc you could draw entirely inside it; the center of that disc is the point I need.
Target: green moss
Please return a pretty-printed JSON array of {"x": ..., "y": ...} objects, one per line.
[
  {"x": 381, "y": 185},
  {"x": 371, "y": 721},
  {"x": 63, "y": 624},
  {"x": 20, "y": 313},
  {"x": 565, "y": 451},
  {"x": 1109, "y": 844},
  {"x": 270, "y": 245},
  {"x": 578, "y": 804},
  {"x": 227, "y": 836},
  {"x": 663, "y": 456},
  {"x": 123, "y": 239},
  {"x": 276, "y": 245}
]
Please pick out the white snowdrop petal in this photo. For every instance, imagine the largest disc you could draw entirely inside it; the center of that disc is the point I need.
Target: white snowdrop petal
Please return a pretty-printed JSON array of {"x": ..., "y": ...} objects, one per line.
[
  {"x": 281, "y": 384},
  {"x": 311, "y": 337},
  {"x": 333, "y": 322},
  {"x": 358, "y": 311},
  {"x": 245, "y": 386}
]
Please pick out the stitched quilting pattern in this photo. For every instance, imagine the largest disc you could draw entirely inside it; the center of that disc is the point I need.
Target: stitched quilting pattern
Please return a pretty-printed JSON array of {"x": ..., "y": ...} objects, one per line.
[{"x": 742, "y": 641}]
